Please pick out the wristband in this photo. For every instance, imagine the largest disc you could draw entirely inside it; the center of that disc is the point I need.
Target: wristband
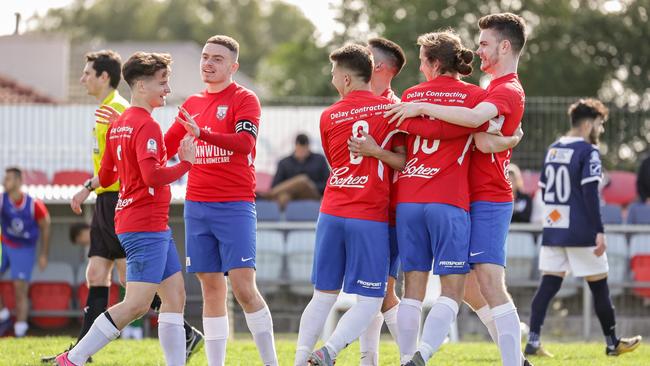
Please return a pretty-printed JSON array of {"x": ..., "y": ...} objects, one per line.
[{"x": 89, "y": 185}]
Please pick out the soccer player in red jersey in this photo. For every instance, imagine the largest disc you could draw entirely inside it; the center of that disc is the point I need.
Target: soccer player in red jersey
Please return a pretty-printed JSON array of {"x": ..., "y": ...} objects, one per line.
[
  {"x": 352, "y": 249},
  {"x": 389, "y": 59},
  {"x": 500, "y": 43},
  {"x": 220, "y": 217},
  {"x": 136, "y": 155}
]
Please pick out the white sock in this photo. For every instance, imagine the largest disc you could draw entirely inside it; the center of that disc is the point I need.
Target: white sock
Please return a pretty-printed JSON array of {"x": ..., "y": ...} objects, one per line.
[
  {"x": 408, "y": 325},
  {"x": 101, "y": 333},
  {"x": 260, "y": 324},
  {"x": 507, "y": 324},
  {"x": 4, "y": 314},
  {"x": 436, "y": 327},
  {"x": 485, "y": 314},
  {"x": 215, "y": 332},
  {"x": 312, "y": 322},
  {"x": 353, "y": 323},
  {"x": 390, "y": 318},
  {"x": 369, "y": 341},
  {"x": 20, "y": 329},
  {"x": 171, "y": 335}
]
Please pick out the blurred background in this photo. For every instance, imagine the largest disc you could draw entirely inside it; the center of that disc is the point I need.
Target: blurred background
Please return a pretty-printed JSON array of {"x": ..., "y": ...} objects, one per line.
[{"x": 575, "y": 48}]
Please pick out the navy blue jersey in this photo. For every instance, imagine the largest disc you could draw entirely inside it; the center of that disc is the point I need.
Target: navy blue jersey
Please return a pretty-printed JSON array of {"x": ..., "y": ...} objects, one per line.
[
  {"x": 19, "y": 224},
  {"x": 572, "y": 166}
]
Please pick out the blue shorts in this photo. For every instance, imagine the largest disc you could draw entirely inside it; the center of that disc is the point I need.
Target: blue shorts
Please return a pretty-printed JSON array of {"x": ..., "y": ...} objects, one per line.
[
  {"x": 19, "y": 260},
  {"x": 428, "y": 231},
  {"x": 351, "y": 250},
  {"x": 150, "y": 256},
  {"x": 490, "y": 225},
  {"x": 219, "y": 236},
  {"x": 393, "y": 268}
]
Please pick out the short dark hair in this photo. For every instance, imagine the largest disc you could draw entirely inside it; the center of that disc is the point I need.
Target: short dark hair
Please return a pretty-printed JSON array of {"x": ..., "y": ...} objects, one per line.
[
  {"x": 509, "y": 26},
  {"x": 391, "y": 50},
  {"x": 227, "y": 42},
  {"x": 445, "y": 47},
  {"x": 302, "y": 139},
  {"x": 589, "y": 108},
  {"x": 15, "y": 170},
  {"x": 76, "y": 229},
  {"x": 355, "y": 58},
  {"x": 144, "y": 65},
  {"x": 106, "y": 61}
]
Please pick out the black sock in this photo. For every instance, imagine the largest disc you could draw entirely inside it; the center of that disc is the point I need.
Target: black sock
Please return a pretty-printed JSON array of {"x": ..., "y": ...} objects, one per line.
[
  {"x": 548, "y": 287},
  {"x": 188, "y": 330},
  {"x": 604, "y": 310},
  {"x": 110, "y": 319},
  {"x": 96, "y": 304},
  {"x": 155, "y": 303}
]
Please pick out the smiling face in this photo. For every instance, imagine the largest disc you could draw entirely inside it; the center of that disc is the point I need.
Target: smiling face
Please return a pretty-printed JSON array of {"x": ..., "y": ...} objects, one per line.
[
  {"x": 340, "y": 78},
  {"x": 218, "y": 64},
  {"x": 155, "y": 89},
  {"x": 488, "y": 50}
]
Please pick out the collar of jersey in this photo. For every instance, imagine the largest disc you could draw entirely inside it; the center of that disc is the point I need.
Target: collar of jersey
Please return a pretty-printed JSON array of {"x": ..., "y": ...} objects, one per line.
[
  {"x": 109, "y": 97},
  {"x": 570, "y": 139}
]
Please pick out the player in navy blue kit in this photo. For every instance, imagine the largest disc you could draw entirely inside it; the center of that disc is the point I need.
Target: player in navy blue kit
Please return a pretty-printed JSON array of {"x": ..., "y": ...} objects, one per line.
[{"x": 574, "y": 238}]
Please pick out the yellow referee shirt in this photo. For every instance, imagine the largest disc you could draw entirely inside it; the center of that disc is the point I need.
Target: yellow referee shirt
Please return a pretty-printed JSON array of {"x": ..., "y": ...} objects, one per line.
[{"x": 117, "y": 102}]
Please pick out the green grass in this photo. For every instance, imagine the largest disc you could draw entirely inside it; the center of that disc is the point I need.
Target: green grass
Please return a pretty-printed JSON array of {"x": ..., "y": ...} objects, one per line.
[{"x": 27, "y": 351}]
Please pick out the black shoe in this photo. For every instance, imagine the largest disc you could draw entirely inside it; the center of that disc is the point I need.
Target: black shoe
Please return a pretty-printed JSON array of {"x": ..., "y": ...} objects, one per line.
[
  {"x": 531, "y": 350},
  {"x": 193, "y": 344},
  {"x": 527, "y": 363}
]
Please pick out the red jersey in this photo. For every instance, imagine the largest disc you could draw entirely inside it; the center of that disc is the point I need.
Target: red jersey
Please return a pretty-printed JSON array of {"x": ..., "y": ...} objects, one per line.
[
  {"x": 489, "y": 171},
  {"x": 134, "y": 137},
  {"x": 399, "y": 141},
  {"x": 219, "y": 174},
  {"x": 437, "y": 170},
  {"x": 358, "y": 187}
]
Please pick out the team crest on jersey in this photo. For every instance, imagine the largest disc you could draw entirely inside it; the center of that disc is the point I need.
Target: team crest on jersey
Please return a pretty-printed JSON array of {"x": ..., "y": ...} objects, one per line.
[
  {"x": 559, "y": 155},
  {"x": 152, "y": 146},
  {"x": 221, "y": 111}
]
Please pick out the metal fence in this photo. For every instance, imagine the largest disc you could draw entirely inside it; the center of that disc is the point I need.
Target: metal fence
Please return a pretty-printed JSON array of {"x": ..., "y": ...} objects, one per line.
[{"x": 53, "y": 138}]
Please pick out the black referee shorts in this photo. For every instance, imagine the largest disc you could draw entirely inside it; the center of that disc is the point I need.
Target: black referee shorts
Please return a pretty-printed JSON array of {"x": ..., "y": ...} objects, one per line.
[{"x": 103, "y": 240}]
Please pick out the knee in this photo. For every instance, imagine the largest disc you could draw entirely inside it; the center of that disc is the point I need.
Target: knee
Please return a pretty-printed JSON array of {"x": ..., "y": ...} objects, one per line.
[
  {"x": 97, "y": 277},
  {"x": 246, "y": 295}
]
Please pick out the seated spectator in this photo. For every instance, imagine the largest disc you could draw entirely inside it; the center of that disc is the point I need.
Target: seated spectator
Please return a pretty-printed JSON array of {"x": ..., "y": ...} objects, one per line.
[
  {"x": 643, "y": 181},
  {"x": 301, "y": 175},
  {"x": 523, "y": 205},
  {"x": 80, "y": 234}
]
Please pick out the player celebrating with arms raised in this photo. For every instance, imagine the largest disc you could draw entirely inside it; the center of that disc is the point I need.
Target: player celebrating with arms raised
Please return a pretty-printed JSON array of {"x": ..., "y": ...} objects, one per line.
[{"x": 135, "y": 153}]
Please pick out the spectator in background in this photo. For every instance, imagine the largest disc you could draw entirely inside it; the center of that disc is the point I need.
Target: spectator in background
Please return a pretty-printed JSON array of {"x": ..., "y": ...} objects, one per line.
[
  {"x": 523, "y": 203},
  {"x": 301, "y": 175},
  {"x": 80, "y": 234},
  {"x": 643, "y": 180},
  {"x": 24, "y": 220}
]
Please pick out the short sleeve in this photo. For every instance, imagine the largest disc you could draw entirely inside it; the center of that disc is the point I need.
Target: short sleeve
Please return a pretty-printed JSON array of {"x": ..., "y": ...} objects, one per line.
[
  {"x": 149, "y": 142},
  {"x": 40, "y": 210},
  {"x": 502, "y": 98},
  {"x": 248, "y": 109},
  {"x": 592, "y": 170}
]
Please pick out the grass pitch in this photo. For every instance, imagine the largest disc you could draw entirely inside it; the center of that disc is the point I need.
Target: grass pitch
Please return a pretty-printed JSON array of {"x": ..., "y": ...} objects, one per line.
[{"x": 242, "y": 352}]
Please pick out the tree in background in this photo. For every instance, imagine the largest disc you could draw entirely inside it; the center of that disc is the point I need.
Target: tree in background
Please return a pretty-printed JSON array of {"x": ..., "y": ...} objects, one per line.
[
  {"x": 578, "y": 47},
  {"x": 274, "y": 35}
]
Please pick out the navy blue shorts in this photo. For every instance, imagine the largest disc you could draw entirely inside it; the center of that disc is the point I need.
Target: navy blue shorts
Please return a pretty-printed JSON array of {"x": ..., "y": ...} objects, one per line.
[
  {"x": 433, "y": 231},
  {"x": 219, "y": 236},
  {"x": 353, "y": 253}
]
